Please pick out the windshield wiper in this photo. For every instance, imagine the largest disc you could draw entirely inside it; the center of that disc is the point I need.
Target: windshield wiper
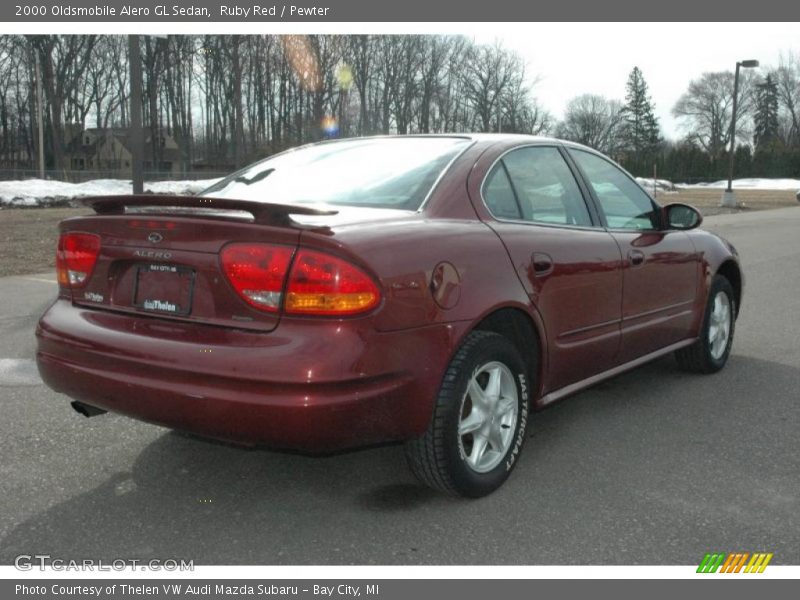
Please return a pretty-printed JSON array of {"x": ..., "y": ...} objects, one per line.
[
  {"x": 221, "y": 185},
  {"x": 255, "y": 178}
]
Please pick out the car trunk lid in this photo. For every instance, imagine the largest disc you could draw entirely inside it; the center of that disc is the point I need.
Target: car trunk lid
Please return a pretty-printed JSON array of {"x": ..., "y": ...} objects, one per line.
[{"x": 160, "y": 255}]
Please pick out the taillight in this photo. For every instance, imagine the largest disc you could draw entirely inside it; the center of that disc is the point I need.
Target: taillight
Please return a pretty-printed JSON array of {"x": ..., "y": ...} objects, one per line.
[
  {"x": 320, "y": 284},
  {"x": 76, "y": 257},
  {"x": 257, "y": 272}
]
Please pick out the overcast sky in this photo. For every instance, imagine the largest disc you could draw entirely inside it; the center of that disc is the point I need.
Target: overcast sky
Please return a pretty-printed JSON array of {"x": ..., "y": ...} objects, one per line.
[
  {"x": 568, "y": 58},
  {"x": 576, "y": 58}
]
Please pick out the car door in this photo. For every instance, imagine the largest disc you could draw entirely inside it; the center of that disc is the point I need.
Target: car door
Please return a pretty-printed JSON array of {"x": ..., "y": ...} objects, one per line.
[
  {"x": 569, "y": 265},
  {"x": 660, "y": 266}
]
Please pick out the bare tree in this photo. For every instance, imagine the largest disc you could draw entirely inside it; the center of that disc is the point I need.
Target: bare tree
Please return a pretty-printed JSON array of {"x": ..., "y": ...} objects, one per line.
[
  {"x": 450, "y": 99},
  {"x": 489, "y": 71},
  {"x": 594, "y": 121},
  {"x": 520, "y": 113},
  {"x": 434, "y": 53},
  {"x": 360, "y": 54},
  {"x": 787, "y": 77},
  {"x": 230, "y": 99},
  {"x": 409, "y": 56},
  {"x": 64, "y": 59},
  {"x": 16, "y": 101},
  {"x": 705, "y": 110}
]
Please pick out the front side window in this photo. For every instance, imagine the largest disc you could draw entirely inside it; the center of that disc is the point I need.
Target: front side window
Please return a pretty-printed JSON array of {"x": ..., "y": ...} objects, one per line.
[
  {"x": 535, "y": 184},
  {"x": 378, "y": 173},
  {"x": 625, "y": 204}
]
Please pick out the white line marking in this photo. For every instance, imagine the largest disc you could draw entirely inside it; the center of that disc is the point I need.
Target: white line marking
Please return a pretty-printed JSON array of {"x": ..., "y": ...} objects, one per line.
[{"x": 38, "y": 279}]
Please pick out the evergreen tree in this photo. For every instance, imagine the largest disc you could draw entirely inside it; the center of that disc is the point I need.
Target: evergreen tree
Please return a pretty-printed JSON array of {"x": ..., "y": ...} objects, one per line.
[
  {"x": 766, "y": 116},
  {"x": 640, "y": 130}
]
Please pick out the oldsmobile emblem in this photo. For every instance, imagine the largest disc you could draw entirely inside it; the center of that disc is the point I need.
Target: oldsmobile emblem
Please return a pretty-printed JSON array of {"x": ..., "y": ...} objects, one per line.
[{"x": 155, "y": 237}]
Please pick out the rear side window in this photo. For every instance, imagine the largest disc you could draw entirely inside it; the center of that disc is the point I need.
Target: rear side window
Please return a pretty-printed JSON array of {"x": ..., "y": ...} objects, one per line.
[
  {"x": 499, "y": 195},
  {"x": 625, "y": 204},
  {"x": 535, "y": 184}
]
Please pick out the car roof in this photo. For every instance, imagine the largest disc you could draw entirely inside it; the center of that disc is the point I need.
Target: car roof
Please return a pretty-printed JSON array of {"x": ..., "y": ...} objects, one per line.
[{"x": 521, "y": 138}]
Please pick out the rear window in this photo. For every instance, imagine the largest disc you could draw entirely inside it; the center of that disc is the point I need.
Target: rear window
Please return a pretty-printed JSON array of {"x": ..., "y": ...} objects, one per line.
[{"x": 393, "y": 173}]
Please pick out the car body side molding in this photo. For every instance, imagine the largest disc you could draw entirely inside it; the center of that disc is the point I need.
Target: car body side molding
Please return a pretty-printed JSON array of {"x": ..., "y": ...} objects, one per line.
[{"x": 578, "y": 386}]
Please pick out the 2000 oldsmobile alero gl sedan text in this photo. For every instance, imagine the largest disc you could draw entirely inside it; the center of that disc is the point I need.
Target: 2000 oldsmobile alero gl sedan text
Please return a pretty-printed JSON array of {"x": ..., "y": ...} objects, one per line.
[{"x": 424, "y": 289}]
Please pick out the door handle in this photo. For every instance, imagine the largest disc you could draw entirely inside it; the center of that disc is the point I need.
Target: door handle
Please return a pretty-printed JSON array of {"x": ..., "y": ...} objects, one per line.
[
  {"x": 636, "y": 257},
  {"x": 542, "y": 264}
]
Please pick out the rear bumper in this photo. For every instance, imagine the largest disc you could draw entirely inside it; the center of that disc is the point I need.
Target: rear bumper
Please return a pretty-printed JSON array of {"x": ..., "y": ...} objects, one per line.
[{"x": 311, "y": 385}]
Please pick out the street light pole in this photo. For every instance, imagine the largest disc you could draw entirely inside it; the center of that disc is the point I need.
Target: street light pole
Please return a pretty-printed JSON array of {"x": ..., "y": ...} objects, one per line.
[
  {"x": 733, "y": 127},
  {"x": 728, "y": 197}
]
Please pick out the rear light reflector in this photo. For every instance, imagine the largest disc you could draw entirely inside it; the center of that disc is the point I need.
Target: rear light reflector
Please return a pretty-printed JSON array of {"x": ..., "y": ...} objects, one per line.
[
  {"x": 257, "y": 272},
  {"x": 321, "y": 284},
  {"x": 76, "y": 257},
  {"x": 152, "y": 225}
]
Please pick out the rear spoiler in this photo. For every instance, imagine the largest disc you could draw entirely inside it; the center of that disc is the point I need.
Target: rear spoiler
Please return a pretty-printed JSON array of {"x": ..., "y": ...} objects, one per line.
[{"x": 263, "y": 212}]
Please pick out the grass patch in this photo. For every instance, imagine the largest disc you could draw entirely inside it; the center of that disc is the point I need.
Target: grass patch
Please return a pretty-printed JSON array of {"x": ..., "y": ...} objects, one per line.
[
  {"x": 28, "y": 238},
  {"x": 707, "y": 201}
]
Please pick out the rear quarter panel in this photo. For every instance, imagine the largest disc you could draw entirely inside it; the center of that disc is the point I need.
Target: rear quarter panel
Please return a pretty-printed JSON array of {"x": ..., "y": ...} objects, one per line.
[
  {"x": 439, "y": 265},
  {"x": 406, "y": 255}
]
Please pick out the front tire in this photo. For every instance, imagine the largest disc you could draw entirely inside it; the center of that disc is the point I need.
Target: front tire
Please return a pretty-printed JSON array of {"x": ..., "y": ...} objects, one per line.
[
  {"x": 711, "y": 350},
  {"x": 479, "y": 421}
]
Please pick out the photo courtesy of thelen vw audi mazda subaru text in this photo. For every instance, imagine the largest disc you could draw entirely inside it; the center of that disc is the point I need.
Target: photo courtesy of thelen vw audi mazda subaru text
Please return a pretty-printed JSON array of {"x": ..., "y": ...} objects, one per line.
[{"x": 429, "y": 290}]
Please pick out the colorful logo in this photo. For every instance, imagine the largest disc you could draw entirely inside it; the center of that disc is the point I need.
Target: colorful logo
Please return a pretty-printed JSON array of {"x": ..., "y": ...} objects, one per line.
[{"x": 735, "y": 562}]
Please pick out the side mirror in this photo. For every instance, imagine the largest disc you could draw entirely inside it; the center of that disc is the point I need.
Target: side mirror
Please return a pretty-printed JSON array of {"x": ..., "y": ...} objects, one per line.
[{"x": 682, "y": 216}]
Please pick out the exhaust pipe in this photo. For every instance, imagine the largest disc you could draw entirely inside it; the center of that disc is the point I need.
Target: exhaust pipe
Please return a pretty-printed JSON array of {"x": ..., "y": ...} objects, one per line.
[{"x": 87, "y": 410}]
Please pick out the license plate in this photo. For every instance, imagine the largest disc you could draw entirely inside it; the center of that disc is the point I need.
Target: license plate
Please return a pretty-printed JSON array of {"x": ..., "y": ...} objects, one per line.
[{"x": 164, "y": 288}]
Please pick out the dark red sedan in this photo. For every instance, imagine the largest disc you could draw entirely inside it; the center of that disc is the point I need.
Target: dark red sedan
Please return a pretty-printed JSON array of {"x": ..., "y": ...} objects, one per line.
[{"x": 424, "y": 289}]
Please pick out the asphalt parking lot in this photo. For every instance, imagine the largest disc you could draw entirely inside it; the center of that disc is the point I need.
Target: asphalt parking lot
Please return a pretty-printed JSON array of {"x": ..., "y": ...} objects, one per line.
[{"x": 654, "y": 467}]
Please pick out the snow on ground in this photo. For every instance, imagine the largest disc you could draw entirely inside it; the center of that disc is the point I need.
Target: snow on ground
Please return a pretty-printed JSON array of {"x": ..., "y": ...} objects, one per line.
[
  {"x": 40, "y": 192},
  {"x": 749, "y": 184},
  {"x": 663, "y": 185},
  {"x": 37, "y": 192}
]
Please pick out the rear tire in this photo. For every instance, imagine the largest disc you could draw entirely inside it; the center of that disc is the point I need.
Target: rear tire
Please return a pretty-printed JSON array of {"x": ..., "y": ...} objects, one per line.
[
  {"x": 479, "y": 421},
  {"x": 711, "y": 350}
]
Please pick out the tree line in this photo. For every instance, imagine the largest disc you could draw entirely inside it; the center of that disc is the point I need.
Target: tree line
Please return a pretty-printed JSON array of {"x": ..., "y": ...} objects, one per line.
[
  {"x": 767, "y": 142},
  {"x": 227, "y": 100}
]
